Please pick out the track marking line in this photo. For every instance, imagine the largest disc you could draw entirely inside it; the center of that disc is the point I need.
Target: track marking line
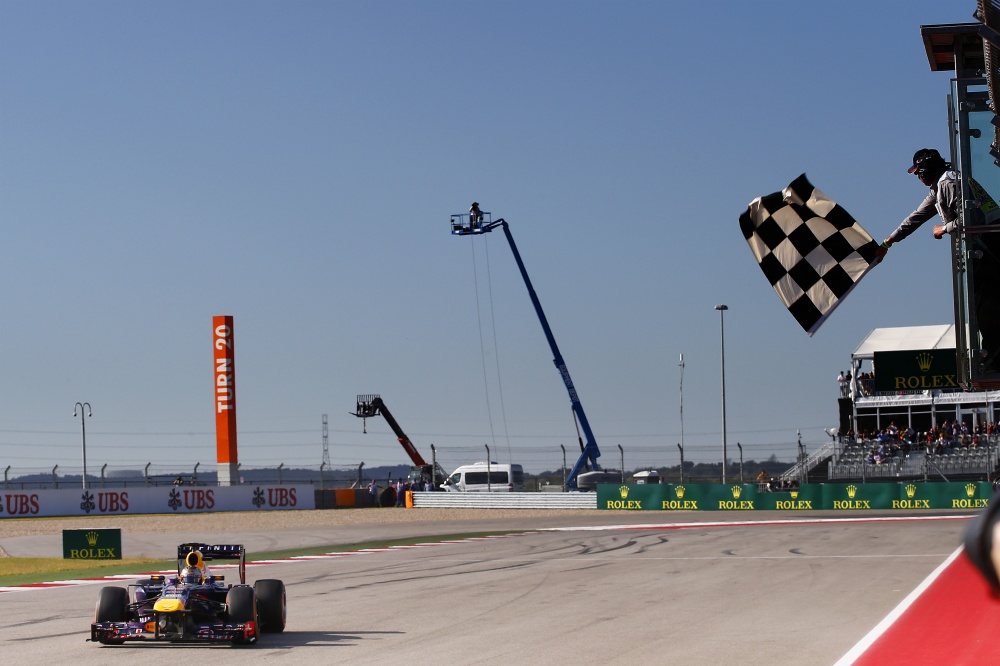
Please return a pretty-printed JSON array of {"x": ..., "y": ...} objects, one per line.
[{"x": 751, "y": 523}]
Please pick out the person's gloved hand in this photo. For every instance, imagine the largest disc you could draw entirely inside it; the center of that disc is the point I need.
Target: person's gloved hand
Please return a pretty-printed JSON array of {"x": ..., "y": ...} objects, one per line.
[{"x": 881, "y": 251}]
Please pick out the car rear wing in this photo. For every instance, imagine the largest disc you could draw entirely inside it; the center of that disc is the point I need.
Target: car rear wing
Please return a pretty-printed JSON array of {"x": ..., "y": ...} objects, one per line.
[{"x": 212, "y": 552}]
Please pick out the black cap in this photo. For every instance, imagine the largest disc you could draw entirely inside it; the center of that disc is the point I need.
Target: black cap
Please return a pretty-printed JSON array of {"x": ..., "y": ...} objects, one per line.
[{"x": 923, "y": 155}]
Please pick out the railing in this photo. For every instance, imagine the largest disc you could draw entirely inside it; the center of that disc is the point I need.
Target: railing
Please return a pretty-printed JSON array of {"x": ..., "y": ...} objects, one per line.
[
  {"x": 163, "y": 475},
  {"x": 801, "y": 468}
]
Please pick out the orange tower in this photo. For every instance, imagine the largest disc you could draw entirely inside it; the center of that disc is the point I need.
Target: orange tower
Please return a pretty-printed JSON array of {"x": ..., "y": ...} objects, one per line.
[{"x": 225, "y": 400}]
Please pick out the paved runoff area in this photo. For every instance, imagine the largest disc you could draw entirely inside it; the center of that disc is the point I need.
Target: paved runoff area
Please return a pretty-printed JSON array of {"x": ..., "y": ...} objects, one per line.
[{"x": 570, "y": 587}]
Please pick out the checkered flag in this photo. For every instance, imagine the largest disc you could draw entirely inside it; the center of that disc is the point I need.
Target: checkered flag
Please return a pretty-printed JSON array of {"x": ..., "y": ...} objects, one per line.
[{"x": 811, "y": 250}]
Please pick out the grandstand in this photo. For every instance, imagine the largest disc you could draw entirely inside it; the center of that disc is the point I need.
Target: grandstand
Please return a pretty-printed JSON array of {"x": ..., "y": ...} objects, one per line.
[{"x": 902, "y": 392}]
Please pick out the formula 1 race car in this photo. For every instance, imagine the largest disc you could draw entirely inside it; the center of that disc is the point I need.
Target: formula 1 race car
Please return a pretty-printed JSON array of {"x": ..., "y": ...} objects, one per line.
[{"x": 194, "y": 606}]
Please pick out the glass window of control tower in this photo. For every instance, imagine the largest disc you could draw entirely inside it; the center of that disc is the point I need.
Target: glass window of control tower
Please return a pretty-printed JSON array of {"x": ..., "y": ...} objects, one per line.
[{"x": 982, "y": 285}]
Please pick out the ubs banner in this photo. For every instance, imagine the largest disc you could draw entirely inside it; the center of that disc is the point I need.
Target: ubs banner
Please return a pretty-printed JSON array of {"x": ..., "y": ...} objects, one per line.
[
  {"x": 125, "y": 501},
  {"x": 827, "y": 496}
]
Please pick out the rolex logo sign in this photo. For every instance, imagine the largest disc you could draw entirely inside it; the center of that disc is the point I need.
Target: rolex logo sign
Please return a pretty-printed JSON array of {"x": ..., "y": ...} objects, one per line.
[
  {"x": 970, "y": 501},
  {"x": 679, "y": 491},
  {"x": 612, "y": 502},
  {"x": 853, "y": 502},
  {"x": 736, "y": 504},
  {"x": 92, "y": 544},
  {"x": 911, "y": 501},
  {"x": 915, "y": 370}
]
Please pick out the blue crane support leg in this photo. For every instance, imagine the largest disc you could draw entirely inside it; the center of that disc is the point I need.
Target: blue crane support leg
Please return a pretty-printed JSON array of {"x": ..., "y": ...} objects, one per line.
[{"x": 590, "y": 451}]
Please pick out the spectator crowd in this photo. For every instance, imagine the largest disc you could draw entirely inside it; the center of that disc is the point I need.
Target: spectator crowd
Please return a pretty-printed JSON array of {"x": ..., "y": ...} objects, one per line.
[{"x": 892, "y": 441}]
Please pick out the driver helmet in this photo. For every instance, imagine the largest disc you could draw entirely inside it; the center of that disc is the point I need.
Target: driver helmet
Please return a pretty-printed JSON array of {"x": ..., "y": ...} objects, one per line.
[{"x": 192, "y": 575}]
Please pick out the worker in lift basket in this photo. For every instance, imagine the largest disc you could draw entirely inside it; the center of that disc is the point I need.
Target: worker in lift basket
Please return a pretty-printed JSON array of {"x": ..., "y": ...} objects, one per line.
[{"x": 475, "y": 216}]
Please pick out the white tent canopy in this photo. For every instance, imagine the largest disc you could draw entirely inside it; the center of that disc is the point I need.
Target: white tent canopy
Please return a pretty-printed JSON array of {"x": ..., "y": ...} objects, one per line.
[{"x": 905, "y": 338}]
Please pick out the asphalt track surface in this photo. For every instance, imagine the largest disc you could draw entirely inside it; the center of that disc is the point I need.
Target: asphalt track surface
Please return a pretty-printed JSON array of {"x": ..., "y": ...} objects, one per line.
[{"x": 777, "y": 590}]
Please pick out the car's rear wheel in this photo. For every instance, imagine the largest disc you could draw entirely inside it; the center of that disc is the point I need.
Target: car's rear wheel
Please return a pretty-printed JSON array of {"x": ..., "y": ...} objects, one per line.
[
  {"x": 111, "y": 604},
  {"x": 271, "y": 605},
  {"x": 241, "y": 603}
]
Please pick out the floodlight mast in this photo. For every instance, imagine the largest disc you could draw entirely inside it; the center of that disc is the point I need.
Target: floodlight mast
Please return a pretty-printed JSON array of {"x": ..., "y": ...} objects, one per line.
[{"x": 480, "y": 222}]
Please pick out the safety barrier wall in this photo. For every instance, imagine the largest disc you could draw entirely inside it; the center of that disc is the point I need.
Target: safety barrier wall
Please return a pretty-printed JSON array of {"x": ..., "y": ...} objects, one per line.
[
  {"x": 343, "y": 498},
  {"x": 826, "y": 496},
  {"x": 183, "y": 499},
  {"x": 505, "y": 500},
  {"x": 655, "y": 497}
]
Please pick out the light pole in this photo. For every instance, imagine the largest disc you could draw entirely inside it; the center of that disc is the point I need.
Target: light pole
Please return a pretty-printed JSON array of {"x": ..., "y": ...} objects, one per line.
[
  {"x": 563, "y": 447},
  {"x": 740, "y": 447},
  {"x": 83, "y": 431},
  {"x": 802, "y": 458},
  {"x": 434, "y": 467},
  {"x": 722, "y": 329},
  {"x": 623, "y": 462},
  {"x": 681, "y": 445}
]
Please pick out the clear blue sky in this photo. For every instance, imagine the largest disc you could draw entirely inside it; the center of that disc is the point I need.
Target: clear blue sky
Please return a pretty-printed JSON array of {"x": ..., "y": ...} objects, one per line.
[{"x": 293, "y": 164}]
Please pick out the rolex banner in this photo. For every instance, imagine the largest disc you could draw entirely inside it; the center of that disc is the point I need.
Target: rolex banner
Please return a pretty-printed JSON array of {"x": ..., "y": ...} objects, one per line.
[
  {"x": 96, "y": 544},
  {"x": 915, "y": 370},
  {"x": 826, "y": 496}
]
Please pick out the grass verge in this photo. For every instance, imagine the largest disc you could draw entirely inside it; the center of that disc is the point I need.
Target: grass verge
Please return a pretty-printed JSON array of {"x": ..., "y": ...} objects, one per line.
[{"x": 25, "y": 570}]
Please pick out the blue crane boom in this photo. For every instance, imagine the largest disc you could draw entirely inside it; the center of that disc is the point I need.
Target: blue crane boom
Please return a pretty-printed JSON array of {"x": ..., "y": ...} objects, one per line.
[{"x": 480, "y": 223}]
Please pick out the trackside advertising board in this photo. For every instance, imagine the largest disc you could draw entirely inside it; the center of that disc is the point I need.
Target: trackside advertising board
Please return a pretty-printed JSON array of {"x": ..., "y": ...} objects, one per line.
[
  {"x": 94, "y": 544},
  {"x": 125, "y": 501},
  {"x": 826, "y": 496}
]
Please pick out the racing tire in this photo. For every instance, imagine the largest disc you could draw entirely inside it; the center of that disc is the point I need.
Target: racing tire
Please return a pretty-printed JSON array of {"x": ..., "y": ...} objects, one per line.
[
  {"x": 271, "y": 605},
  {"x": 111, "y": 604},
  {"x": 241, "y": 602}
]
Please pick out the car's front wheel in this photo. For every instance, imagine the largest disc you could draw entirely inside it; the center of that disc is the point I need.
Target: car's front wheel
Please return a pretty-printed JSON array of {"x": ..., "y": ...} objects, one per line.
[
  {"x": 111, "y": 604},
  {"x": 272, "y": 605},
  {"x": 241, "y": 603}
]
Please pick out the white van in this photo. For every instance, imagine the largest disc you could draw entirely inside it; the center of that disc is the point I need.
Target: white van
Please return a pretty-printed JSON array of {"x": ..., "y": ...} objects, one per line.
[
  {"x": 647, "y": 476},
  {"x": 483, "y": 478}
]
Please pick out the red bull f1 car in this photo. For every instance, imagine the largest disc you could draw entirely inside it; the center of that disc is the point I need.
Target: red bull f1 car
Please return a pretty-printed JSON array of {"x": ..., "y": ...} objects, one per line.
[{"x": 194, "y": 606}]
